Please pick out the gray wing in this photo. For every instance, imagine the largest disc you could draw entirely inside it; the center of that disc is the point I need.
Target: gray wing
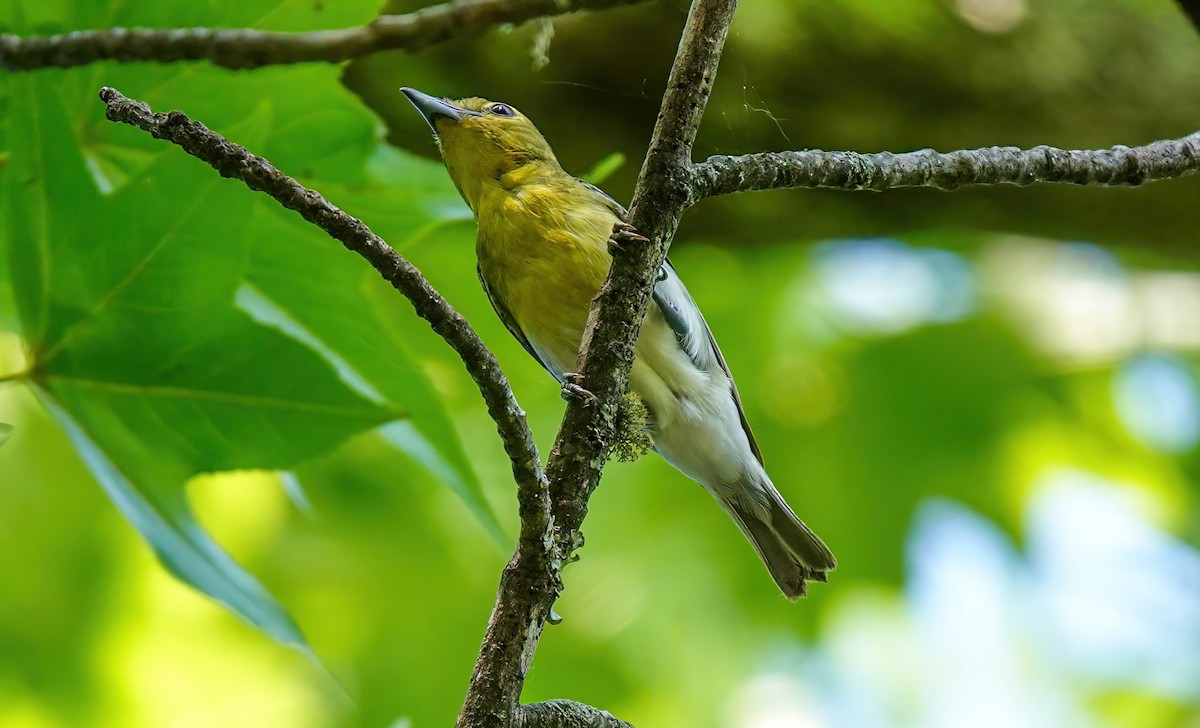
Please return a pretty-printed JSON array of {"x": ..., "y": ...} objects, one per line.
[
  {"x": 684, "y": 317},
  {"x": 509, "y": 322},
  {"x": 694, "y": 337}
]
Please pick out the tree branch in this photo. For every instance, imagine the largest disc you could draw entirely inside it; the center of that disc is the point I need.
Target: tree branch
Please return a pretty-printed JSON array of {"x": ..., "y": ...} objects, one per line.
[
  {"x": 231, "y": 160},
  {"x": 605, "y": 358},
  {"x": 659, "y": 198},
  {"x": 565, "y": 714},
  {"x": 249, "y": 48},
  {"x": 1119, "y": 166}
]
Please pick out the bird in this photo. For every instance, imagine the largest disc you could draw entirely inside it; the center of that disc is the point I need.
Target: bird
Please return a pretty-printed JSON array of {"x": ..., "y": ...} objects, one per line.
[{"x": 543, "y": 251}]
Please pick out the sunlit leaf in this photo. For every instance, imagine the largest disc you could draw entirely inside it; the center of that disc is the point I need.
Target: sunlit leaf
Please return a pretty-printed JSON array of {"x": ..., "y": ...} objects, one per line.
[
  {"x": 161, "y": 514},
  {"x": 309, "y": 288},
  {"x": 127, "y": 303}
]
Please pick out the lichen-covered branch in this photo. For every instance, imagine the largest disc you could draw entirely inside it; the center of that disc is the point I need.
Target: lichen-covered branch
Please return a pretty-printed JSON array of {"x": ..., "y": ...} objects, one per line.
[
  {"x": 565, "y": 714},
  {"x": 659, "y": 198},
  {"x": 1119, "y": 166},
  {"x": 605, "y": 357},
  {"x": 231, "y": 160},
  {"x": 249, "y": 48}
]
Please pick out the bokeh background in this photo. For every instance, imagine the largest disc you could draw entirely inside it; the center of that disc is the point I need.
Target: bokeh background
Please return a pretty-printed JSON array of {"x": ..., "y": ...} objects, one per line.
[{"x": 986, "y": 401}]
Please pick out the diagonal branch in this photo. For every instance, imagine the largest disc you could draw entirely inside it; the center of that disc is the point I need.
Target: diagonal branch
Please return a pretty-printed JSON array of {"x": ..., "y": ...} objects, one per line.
[
  {"x": 1119, "y": 166},
  {"x": 250, "y": 48},
  {"x": 231, "y": 160}
]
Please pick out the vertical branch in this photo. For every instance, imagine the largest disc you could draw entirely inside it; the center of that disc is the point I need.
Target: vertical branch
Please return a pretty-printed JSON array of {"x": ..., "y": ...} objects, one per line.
[
  {"x": 661, "y": 194},
  {"x": 606, "y": 355}
]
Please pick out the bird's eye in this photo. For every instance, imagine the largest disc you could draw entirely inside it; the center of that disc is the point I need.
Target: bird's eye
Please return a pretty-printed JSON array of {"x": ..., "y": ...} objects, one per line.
[{"x": 502, "y": 110}]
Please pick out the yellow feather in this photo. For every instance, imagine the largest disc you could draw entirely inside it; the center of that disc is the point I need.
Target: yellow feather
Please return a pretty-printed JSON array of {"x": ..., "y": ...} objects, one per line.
[{"x": 542, "y": 247}]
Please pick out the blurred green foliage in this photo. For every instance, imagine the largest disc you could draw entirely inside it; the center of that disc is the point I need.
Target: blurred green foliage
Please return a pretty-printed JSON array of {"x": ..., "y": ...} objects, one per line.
[{"x": 181, "y": 326}]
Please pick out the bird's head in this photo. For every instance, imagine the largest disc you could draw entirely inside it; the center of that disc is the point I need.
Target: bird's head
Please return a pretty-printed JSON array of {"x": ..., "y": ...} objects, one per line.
[{"x": 480, "y": 140}]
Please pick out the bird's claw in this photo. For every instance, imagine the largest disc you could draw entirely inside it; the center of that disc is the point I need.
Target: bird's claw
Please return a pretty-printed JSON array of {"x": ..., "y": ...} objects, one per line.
[
  {"x": 623, "y": 235},
  {"x": 572, "y": 388}
]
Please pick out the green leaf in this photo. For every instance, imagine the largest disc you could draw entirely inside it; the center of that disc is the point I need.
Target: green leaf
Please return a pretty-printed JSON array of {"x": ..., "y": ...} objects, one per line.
[
  {"x": 305, "y": 285},
  {"x": 161, "y": 514},
  {"x": 605, "y": 168},
  {"x": 172, "y": 331},
  {"x": 8, "y": 314},
  {"x": 39, "y": 171},
  {"x": 6, "y": 430},
  {"x": 127, "y": 304}
]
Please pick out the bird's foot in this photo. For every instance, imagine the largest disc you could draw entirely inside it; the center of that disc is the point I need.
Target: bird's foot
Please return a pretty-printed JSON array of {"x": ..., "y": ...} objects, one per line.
[
  {"x": 572, "y": 388},
  {"x": 624, "y": 235}
]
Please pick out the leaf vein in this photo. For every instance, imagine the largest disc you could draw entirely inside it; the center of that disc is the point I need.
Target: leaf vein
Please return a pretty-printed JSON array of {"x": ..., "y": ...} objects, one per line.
[{"x": 240, "y": 399}]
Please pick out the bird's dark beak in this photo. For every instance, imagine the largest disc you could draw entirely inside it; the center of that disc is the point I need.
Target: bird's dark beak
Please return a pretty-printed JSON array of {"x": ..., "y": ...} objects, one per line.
[{"x": 433, "y": 109}]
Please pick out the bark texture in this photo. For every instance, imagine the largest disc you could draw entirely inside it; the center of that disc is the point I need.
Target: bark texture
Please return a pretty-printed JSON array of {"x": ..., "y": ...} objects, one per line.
[
  {"x": 566, "y": 714},
  {"x": 250, "y": 48},
  {"x": 1119, "y": 166}
]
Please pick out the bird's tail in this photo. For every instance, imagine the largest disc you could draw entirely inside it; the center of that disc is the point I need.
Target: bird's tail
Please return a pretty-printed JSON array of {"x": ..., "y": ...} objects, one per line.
[{"x": 792, "y": 553}]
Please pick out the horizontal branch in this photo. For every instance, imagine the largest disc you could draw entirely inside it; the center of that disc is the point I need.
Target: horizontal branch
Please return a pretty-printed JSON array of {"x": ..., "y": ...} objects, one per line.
[
  {"x": 231, "y": 160},
  {"x": 565, "y": 714},
  {"x": 249, "y": 48},
  {"x": 1119, "y": 166}
]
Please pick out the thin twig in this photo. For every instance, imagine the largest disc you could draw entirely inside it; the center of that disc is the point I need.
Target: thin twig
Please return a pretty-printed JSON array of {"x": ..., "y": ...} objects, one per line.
[
  {"x": 231, "y": 160},
  {"x": 1117, "y": 167},
  {"x": 249, "y": 48}
]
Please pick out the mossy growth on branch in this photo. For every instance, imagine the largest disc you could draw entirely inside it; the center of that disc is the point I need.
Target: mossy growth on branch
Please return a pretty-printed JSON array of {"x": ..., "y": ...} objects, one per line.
[{"x": 631, "y": 434}]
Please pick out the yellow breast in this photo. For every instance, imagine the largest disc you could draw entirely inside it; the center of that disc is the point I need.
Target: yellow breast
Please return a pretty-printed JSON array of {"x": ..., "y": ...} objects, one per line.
[{"x": 542, "y": 250}]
